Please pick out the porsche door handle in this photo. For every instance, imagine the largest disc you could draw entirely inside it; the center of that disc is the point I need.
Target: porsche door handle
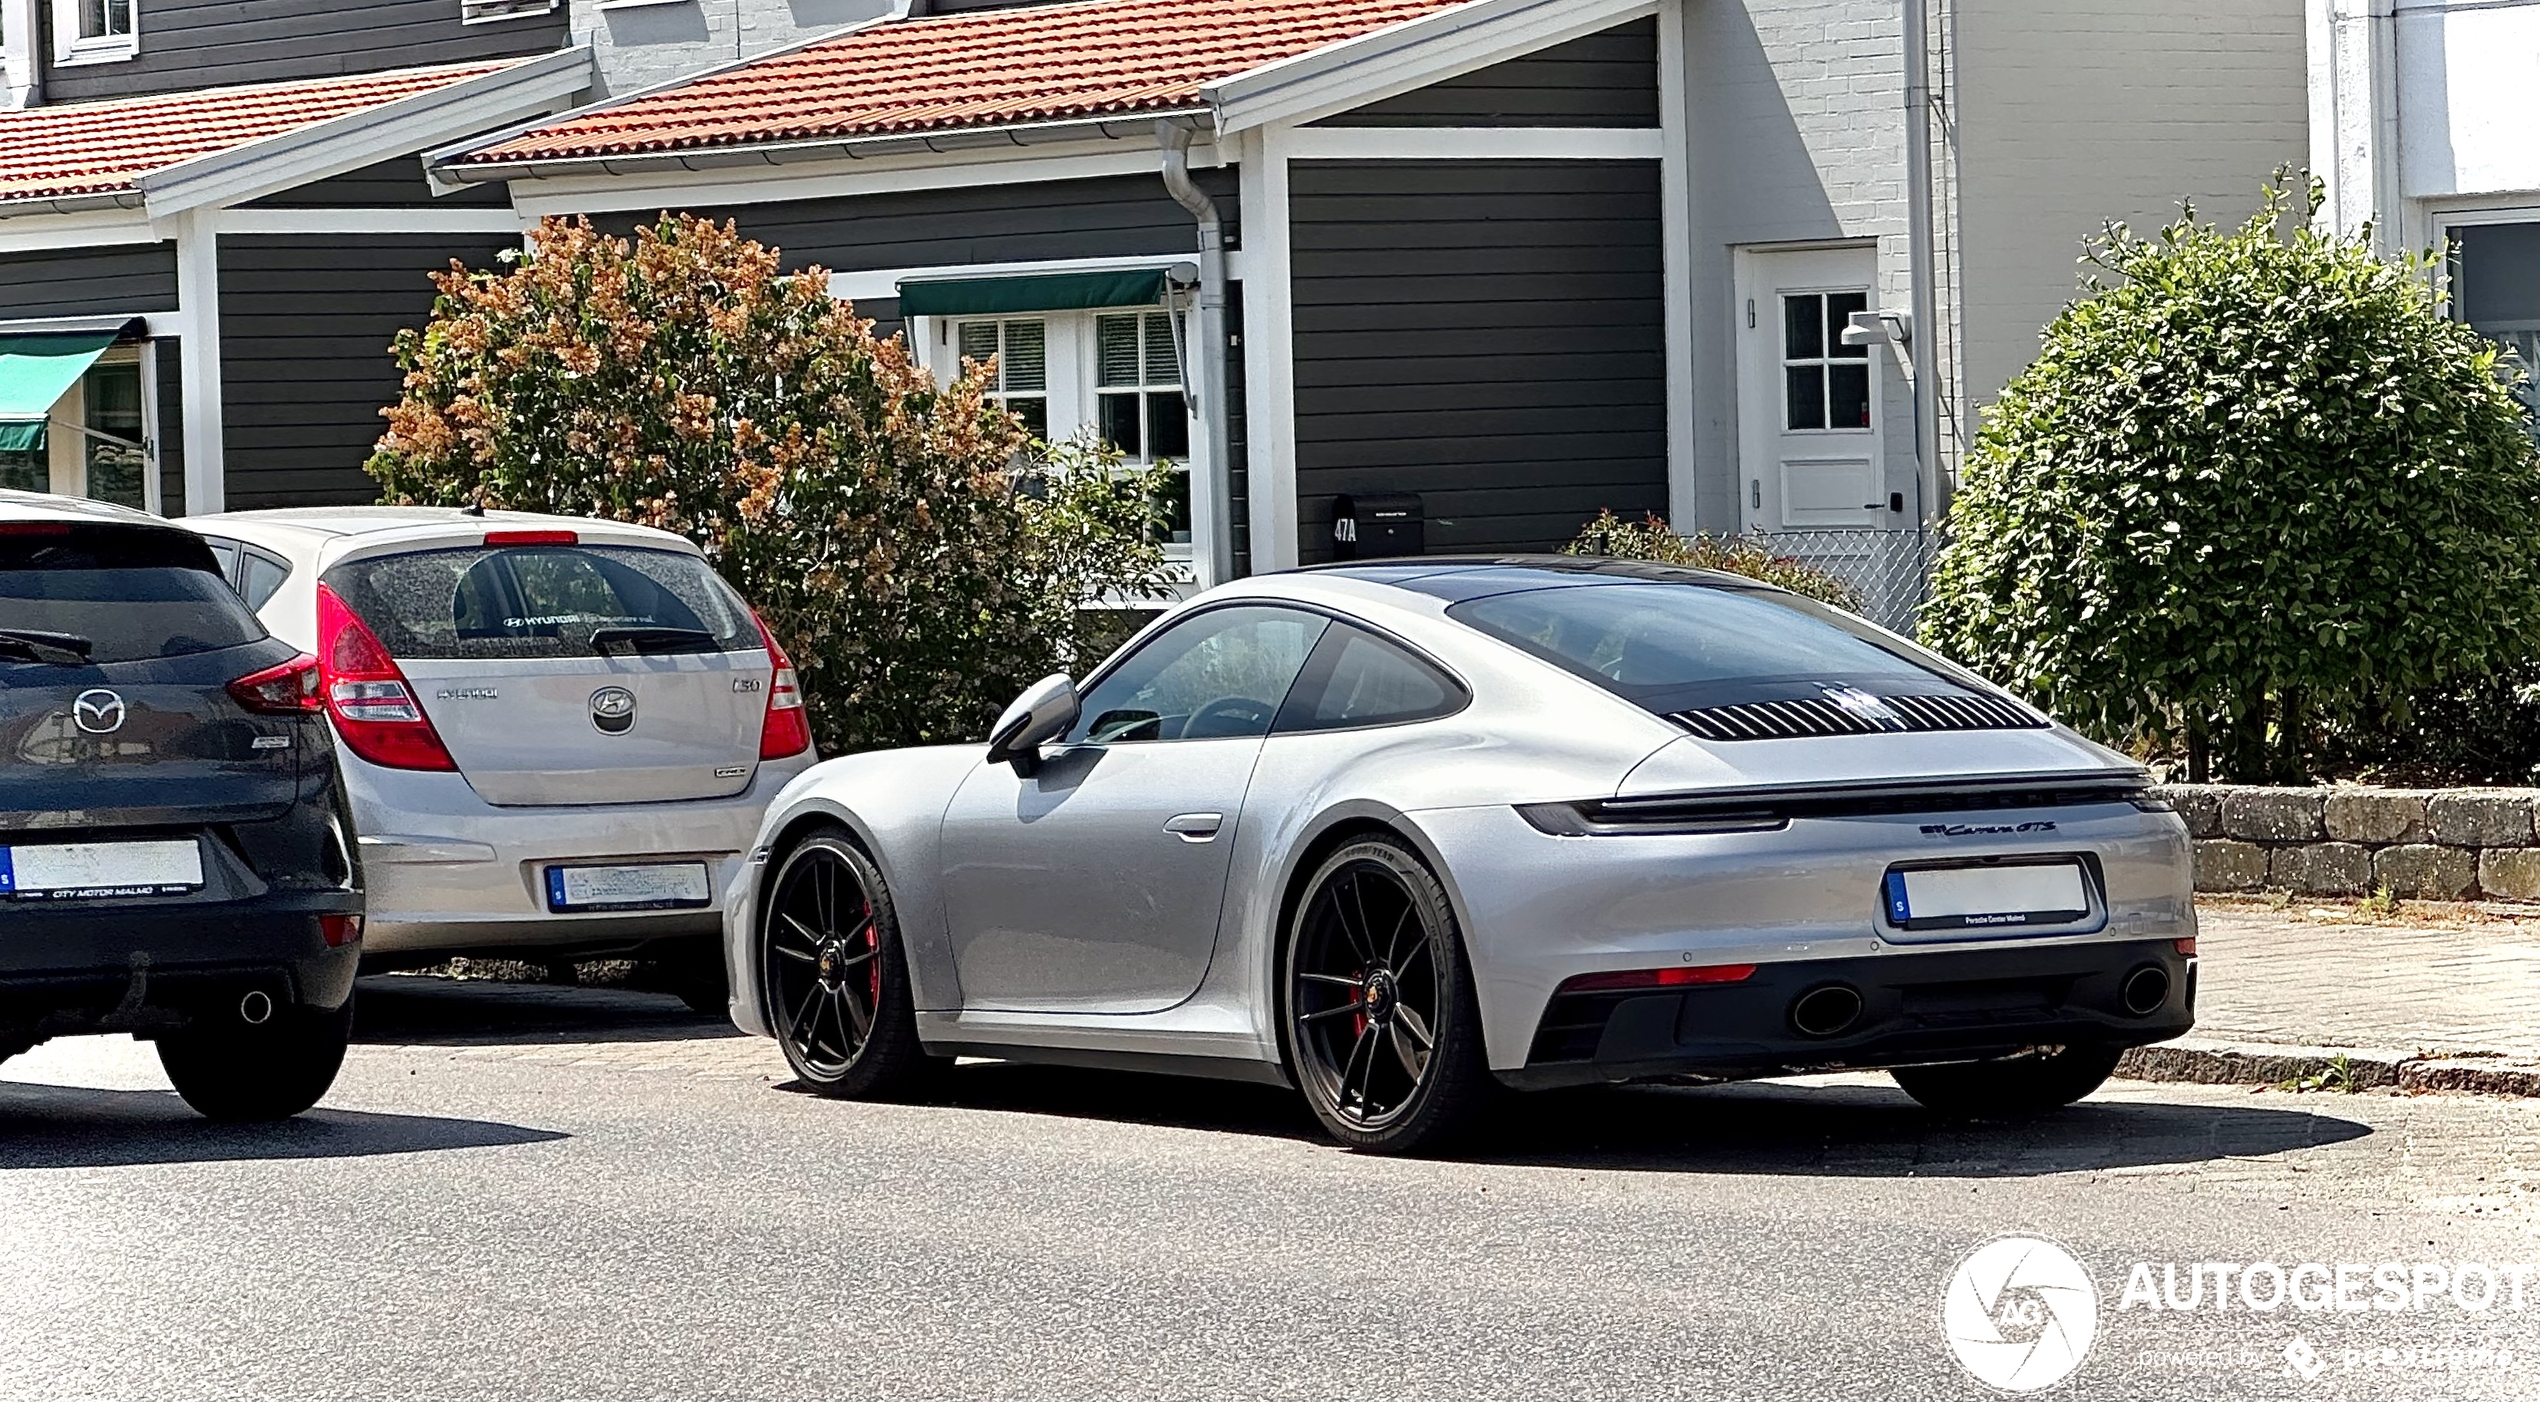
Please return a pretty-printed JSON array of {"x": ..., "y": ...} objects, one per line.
[{"x": 1196, "y": 827}]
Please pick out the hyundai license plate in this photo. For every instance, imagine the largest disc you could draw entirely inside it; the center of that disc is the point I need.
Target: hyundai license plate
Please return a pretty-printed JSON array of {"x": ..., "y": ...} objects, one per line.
[
  {"x": 654, "y": 886},
  {"x": 1992, "y": 896},
  {"x": 71, "y": 871}
]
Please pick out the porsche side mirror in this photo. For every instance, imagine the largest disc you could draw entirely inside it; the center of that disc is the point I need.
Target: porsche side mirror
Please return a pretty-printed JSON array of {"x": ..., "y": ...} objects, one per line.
[{"x": 1044, "y": 712}]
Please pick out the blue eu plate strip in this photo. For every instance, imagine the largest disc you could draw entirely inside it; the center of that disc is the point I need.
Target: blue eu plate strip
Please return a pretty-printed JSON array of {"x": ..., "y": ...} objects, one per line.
[
  {"x": 555, "y": 888},
  {"x": 8, "y": 874},
  {"x": 1897, "y": 908}
]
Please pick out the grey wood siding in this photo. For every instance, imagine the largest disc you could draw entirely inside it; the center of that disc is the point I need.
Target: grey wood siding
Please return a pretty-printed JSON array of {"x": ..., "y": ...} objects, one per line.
[
  {"x": 132, "y": 278},
  {"x": 1489, "y": 334},
  {"x": 210, "y": 43},
  {"x": 306, "y": 325},
  {"x": 1604, "y": 80},
  {"x": 391, "y": 184}
]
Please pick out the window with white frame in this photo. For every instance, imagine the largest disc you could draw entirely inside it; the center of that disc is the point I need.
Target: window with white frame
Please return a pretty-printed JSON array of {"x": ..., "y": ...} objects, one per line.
[
  {"x": 484, "y": 11},
  {"x": 95, "y": 31},
  {"x": 1116, "y": 374},
  {"x": 1825, "y": 383},
  {"x": 2496, "y": 288}
]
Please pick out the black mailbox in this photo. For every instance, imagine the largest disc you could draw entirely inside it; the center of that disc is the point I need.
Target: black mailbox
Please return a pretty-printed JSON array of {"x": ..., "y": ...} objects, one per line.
[{"x": 1377, "y": 525}]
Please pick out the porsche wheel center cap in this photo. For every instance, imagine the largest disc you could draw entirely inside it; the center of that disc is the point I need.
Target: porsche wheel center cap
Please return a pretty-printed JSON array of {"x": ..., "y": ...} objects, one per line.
[{"x": 1381, "y": 996}]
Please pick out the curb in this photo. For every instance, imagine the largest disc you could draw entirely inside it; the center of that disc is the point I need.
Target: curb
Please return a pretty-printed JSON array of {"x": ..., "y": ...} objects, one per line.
[{"x": 2199, "y": 1062}]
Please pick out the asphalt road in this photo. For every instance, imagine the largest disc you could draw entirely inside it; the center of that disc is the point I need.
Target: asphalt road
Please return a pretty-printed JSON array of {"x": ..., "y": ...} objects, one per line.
[{"x": 529, "y": 1193}]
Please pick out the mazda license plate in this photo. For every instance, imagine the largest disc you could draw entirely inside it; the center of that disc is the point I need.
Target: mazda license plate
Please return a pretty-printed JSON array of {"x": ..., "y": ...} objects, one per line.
[{"x": 69, "y": 871}]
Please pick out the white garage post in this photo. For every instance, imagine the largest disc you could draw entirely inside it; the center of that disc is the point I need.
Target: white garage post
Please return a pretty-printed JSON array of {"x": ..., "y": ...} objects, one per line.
[{"x": 198, "y": 360}]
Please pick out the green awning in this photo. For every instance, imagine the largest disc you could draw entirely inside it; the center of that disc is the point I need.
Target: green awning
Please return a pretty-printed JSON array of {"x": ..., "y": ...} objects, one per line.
[
  {"x": 1053, "y": 292},
  {"x": 36, "y": 369}
]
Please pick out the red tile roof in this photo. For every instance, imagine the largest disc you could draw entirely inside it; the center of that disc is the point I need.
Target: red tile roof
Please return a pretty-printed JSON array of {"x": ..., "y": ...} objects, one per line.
[
  {"x": 101, "y": 147},
  {"x": 1091, "y": 59}
]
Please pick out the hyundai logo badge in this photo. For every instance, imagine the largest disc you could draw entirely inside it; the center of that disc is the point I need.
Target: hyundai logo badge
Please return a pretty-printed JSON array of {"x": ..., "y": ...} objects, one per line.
[
  {"x": 613, "y": 710},
  {"x": 98, "y": 711}
]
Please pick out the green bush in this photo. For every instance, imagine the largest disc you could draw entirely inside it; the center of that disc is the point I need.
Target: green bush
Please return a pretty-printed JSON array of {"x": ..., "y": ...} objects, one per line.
[
  {"x": 2255, "y": 490},
  {"x": 1651, "y": 538},
  {"x": 917, "y": 555}
]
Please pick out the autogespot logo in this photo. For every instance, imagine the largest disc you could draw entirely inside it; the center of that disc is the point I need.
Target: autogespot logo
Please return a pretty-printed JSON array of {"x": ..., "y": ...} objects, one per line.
[{"x": 2020, "y": 1314}]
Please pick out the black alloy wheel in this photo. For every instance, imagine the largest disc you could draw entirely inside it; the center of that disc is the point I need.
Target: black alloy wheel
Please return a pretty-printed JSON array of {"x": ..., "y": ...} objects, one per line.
[
  {"x": 1382, "y": 1029},
  {"x": 837, "y": 982}
]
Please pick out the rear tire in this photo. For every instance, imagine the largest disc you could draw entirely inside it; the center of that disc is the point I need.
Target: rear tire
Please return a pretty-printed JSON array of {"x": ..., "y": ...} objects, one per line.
[
  {"x": 697, "y": 978},
  {"x": 2012, "y": 1087},
  {"x": 1379, "y": 1021},
  {"x": 231, "y": 1072},
  {"x": 838, "y": 991}
]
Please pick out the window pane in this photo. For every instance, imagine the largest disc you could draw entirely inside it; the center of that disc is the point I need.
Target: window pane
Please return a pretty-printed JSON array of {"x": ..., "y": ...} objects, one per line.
[
  {"x": 1026, "y": 356},
  {"x": 1035, "y": 413},
  {"x": 1839, "y": 309},
  {"x": 134, "y": 594},
  {"x": 1116, "y": 339},
  {"x": 1359, "y": 679},
  {"x": 1163, "y": 365},
  {"x": 1177, "y": 507},
  {"x": 540, "y": 601},
  {"x": 2496, "y": 271},
  {"x": 27, "y": 471},
  {"x": 979, "y": 341},
  {"x": 1120, "y": 424},
  {"x": 1168, "y": 426},
  {"x": 1848, "y": 387},
  {"x": 1803, "y": 327},
  {"x": 113, "y": 395},
  {"x": 259, "y": 579},
  {"x": 1807, "y": 395},
  {"x": 1220, "y": 674}
]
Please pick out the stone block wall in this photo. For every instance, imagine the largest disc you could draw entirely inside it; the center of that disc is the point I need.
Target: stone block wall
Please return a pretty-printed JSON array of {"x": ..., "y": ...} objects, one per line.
[{"x": 2441, "y": 844}]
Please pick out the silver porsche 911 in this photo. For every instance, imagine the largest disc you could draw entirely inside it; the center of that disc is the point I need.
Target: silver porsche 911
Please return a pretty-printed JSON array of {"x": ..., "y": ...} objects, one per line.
[{"x": 1408, "y": 834}]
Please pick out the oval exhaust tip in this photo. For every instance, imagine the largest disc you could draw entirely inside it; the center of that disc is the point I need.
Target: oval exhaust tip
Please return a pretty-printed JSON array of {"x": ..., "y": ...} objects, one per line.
[
  {"x": 256, "y": 1008},
  {"x": 2146, "y": 989},
  {"x": 1827, "y": 1011}
]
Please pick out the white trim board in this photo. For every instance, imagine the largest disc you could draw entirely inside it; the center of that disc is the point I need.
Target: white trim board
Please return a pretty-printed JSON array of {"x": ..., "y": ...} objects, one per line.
[
  {"x": 846, "y": 177},
  {"x": 1475, "y": 144},
  {"x": 872, "y": 283},
  {"x": 1675, "y": 205},
  {"x": 1269, "y": 352},
  {"x": 30, "y": 232},
  {"x": 366, "y": 221}
]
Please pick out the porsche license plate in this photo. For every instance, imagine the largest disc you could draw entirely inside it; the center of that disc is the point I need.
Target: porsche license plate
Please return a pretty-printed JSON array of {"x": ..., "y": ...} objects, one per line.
[
  {"x": 652, "y": 886},
  {"x": 1992, "y": 896},
  {"x": 70, "y": 871}
]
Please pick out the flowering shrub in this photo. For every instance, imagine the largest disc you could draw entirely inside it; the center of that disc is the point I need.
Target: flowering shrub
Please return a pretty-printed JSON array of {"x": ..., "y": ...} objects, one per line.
[
  {"x": 1653, "y": 539},
  {"x": 877, "y": 520}
]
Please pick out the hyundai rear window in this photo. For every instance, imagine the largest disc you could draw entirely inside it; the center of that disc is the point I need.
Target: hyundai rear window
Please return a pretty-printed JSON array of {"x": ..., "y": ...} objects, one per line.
[
  {"x": 543, "y": 601},
  {"x": 112, "y": 594},
  {"x": 1675, "y": 647}
]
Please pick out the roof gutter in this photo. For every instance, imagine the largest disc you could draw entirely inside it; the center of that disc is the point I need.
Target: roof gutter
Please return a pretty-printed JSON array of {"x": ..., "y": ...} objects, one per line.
[
  {"x": 74, "y": 204},
  {"x": 450, "y": 167},
  {"x": 1212, "y": 507}
]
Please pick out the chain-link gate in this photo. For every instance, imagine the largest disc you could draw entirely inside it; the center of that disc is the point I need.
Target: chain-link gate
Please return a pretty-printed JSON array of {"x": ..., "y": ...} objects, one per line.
[{"x": 1891, "y": 570}]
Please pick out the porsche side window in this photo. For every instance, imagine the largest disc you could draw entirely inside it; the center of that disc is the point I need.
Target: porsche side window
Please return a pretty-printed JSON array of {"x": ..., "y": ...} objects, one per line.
[
  {"x": 1219, "y": 675},
  {"x": 1358, "y": 679}
]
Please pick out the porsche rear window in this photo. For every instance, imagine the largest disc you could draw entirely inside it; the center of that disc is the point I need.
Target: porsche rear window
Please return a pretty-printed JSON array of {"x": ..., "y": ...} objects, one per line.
[
  {"x": 543, "y": 601},
  {"x": 1673, "y": 647}
]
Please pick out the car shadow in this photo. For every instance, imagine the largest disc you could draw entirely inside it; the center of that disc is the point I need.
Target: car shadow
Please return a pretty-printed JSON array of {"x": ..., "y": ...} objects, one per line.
[
  {"x": 48, "y": 1126},
  {"x": 428, "y": 1010},
  {"x": 1845, "y": 1129}
]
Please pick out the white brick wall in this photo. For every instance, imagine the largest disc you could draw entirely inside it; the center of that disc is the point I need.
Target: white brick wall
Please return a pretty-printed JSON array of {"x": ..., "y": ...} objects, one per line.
[{"x": 646, "y": 42}]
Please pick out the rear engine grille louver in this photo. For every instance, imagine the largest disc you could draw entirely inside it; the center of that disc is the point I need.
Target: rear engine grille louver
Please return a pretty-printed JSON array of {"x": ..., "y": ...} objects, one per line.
[{"x": 1857, "y": 714}]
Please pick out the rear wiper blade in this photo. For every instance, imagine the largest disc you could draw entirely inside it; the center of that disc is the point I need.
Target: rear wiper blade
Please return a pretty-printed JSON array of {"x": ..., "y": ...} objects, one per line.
[
  {"x": 652, "y": 639},
  {"x": 60, "y": 649}
]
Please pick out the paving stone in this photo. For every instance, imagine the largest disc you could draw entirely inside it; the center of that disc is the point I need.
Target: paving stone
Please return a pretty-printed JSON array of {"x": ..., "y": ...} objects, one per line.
[
  {"x": 2321, "y": 868},
  {"x": 2225, "y": 865},
  {"x": 2422, "y": 869},
  {"x": 2273, "y": 815},
  {"x": 2510, "y": 872},
  {"x": 2481, "y": 819},
  {"x": 2377, "y": 816},
  {"x": 2200, "y": 805}
]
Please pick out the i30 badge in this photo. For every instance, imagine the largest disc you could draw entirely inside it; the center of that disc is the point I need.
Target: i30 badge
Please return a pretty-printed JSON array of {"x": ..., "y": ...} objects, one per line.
[
  {"x": 98, "y": 711},
  {"x": 613, "y": 710}
]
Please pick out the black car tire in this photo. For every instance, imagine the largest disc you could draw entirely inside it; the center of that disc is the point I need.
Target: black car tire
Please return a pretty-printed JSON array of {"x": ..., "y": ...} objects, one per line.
[
  {"x": 812, "y": 1006},
  {"x": 697, "y": 978},
  {"x": 232, "y": 1072},
  {"x": 1453, "y": 1086},
  {"x": 2012, "y": 1087}
]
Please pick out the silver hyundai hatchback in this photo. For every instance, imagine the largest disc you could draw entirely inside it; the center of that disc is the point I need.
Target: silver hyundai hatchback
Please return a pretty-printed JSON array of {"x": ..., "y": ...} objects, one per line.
[{"x": 559, "y": 734}]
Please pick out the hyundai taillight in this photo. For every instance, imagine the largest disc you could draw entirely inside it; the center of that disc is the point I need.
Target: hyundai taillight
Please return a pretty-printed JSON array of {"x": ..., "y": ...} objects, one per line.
[
  {"x": 786, "y": 732},
  {"x": 291, "y": 689},
  {"x": 375, "y": 711}
]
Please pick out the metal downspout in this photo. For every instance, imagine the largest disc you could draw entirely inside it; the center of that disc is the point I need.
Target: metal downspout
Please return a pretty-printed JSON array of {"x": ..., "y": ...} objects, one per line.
[{"x": 1212, "y": 512}]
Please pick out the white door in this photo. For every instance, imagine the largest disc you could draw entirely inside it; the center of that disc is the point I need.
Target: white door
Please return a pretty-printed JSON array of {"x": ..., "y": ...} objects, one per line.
[{"x": 1808, "y": 405}]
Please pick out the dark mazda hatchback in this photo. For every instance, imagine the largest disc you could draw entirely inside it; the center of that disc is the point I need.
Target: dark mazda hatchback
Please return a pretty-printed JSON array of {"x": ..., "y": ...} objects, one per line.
[{"x": 174, "y": 859}]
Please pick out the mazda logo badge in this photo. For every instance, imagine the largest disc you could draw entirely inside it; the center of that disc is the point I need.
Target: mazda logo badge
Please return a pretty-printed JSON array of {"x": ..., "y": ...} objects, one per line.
[
  {"x": 613, "y": 710},
  {"x": 98, "y": 711}
]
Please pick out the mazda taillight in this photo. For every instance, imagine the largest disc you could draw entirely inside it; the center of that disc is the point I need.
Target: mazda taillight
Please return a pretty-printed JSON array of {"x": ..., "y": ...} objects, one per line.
[
  {"x": 786, "y": 731},
  {"x": 375, "y": 711},
  {"x": 290, "y": 689}
]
